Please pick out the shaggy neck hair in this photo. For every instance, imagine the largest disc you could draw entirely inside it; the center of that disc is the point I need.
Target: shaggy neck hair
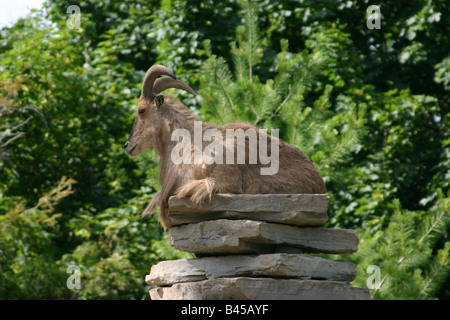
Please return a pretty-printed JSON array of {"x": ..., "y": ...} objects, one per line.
[{"x": 174, "y": 116}]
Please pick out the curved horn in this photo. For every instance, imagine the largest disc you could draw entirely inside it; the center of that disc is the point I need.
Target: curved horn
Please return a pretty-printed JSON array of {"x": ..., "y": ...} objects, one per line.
[
  {"x": 152, "y": 73},
  {"x": 162, "y": 84}
]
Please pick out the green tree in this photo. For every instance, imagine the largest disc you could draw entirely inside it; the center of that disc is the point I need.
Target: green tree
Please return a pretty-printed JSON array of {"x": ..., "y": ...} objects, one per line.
[
  {"x": 71, "y": 104},
  {"x": 86, "y": 109},
  {"x": 369, "y": 107},
  {"x": 416, "y": 267},
  {"x": 29, "y": 266}
]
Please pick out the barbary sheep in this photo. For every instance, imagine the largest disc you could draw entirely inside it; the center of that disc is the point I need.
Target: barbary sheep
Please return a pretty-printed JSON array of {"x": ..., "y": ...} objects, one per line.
[{"x": 211, "y": 164}]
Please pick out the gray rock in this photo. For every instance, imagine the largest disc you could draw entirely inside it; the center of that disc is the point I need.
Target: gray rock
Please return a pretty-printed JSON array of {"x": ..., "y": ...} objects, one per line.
[
  {"x": 293, "y": 209},
  {"x": 266, "y": 265},
  {"x": 220, "y": 237},
  {"x": 260, "y": 289}
]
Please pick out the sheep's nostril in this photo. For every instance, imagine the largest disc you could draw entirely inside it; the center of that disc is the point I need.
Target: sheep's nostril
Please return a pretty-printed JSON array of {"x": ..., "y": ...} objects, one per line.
[{"x": 126, "y": 145}]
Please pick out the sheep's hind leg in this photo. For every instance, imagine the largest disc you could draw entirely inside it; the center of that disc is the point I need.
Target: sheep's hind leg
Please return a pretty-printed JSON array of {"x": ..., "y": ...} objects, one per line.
[
  {"x": 198, "y": 190},
  {"x": 163, "y": 210}
]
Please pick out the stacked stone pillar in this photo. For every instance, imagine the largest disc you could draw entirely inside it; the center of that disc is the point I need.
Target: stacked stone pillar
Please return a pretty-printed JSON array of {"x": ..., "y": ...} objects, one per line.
[{"x": 256, "y": 247}]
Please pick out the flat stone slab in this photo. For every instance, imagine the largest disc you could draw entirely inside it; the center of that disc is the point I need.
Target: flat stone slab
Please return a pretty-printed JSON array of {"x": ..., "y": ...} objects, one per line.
[
  {"x": 277, "y": 265},
  {"x": 220, "y": 237},
  {"x": 241, "y": 288},
  {"x": 293, "y": 209}
]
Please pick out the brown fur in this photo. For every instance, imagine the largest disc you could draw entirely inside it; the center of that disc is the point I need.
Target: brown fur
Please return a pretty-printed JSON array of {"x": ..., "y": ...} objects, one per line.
[{"x": 153, "y": 129}]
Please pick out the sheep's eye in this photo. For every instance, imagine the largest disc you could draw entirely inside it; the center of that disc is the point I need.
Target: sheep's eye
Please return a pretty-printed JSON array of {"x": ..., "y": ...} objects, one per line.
[{"x": 141, "y": 111}]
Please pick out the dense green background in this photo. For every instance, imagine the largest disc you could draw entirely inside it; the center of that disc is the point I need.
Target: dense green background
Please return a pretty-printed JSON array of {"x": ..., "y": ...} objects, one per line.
[{"x": 369, "y": 107}]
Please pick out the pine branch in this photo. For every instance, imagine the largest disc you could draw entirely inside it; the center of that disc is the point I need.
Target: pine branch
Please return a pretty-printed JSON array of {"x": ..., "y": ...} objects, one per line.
[
  {"x": 219, "y": 66},
  {"x": 434, "y": 225},
  {"x": 227, "y": 96},
  {"x": 347, "y": 141},
  {"x": 442, "y": 268},
  {"x": 438, "y": 219},
  {"x": 288, "y": 97}
]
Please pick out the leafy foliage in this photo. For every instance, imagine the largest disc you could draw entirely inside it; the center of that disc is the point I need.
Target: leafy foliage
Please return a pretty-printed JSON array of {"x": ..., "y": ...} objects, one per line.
[{"x": 28, "y": 263}]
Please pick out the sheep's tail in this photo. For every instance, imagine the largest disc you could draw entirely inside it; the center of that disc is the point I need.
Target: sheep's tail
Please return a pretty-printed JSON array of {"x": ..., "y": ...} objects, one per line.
[{"x": 199, "y": 191}]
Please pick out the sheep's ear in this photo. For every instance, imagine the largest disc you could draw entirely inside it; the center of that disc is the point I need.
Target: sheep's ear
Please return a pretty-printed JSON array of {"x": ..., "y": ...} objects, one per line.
[{"x": 159, "y": 101}]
